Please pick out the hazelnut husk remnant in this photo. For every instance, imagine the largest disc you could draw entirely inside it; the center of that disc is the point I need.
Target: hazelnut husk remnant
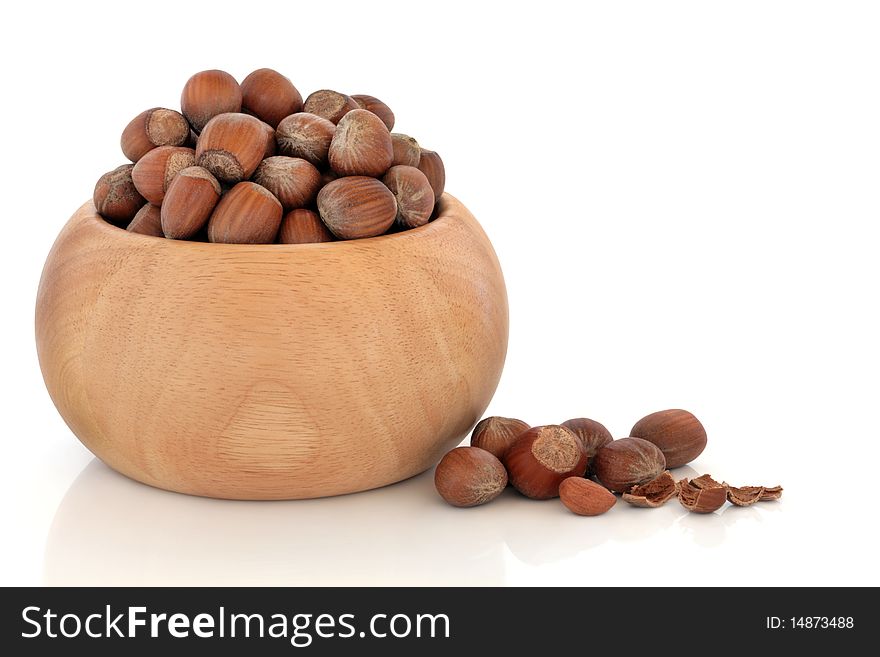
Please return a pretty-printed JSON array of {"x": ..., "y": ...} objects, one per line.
[{"x": 469, "y": 476}]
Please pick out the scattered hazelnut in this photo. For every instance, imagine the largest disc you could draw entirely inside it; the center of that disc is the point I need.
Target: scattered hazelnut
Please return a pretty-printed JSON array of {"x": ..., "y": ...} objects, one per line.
[
  {"x": 303, "y": 226},
  {"x": 231, "y": 146},
  {"x": 431, "y": 165},
  {"x": 593, "y": 435},
  {"x": 496, "y": 434},
  {"x": 117, "y": 199},
  {"x": 628, "y": 462},
  {"x": 654, "y": 493},
  {"x": 405, "y": 150},
  {"x": 292, "y": 180},
  {"x": 377, "y": 107},
  {"x": 307, "y": 136},
  {"x": 208, "y": 94},
  {"x": 147, "y": 221},
  {"x": 585, "y": 497},
  {"x": 189, "y": 202},
  {"x": 677, "y": 433},
  {"x": 154, "y": 127},
  {"x": 356, "y": 207},
  {"x": 415, "y": 198},
  {"x": 701, "y": 500},
  {"x": 542, "y": 458},
  {"x": 361, "y": 145},
  {"x": 331, "y": 105},
  {"x": 154, "y": 172},
  {"x": 246, "y": 214},
  {"x": 469, "y": 476},
  {"x": 269, "y": 96}
]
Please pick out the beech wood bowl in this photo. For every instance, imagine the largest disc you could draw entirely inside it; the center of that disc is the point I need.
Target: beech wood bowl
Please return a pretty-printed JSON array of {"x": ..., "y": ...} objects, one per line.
[{"x": 272, "y": 371}]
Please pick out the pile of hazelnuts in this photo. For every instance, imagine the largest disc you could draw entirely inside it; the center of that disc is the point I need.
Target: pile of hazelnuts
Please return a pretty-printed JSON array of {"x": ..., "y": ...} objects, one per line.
[
  {"x": 252, "y": 163},
  {"x": 559, "y": 461}
]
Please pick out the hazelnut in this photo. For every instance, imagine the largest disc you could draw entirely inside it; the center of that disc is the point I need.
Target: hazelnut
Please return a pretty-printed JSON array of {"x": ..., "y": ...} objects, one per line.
[
  {"x": 377, "y": 107},
  {"x": 405, "y": 150},
  {"x": 542, "y": 458},
  {"x": 231, "y": 146},
  {"x": 677, "y": 433},
  {"x": 356, "y": 207},
  {"x": 593, "y": 435},
  {"x": 208, "y": 94},
  {"x": 496, "y": 434},
  {"x": 154, "y": 172},
  {"x": 271, "y": 144},
  {"x": 303, "y": 226},
  {"x": 361, "y": 145},
  {"x": 307, "y": 136},
  {"x": 246, "y": 214},
  {"x": 269, "y": 96},
  {"x": 701, "y": 500},
  {"x": 154, "y": 127},
  {"x": 585, "y": 497},
  {"x": 189, "y": 202},
  {"x": 331, "y": 105},
  {"x": 292, "y": 180},
  {"x": 117, "y": 199},
  {"x": 628, "y": 462},
  {"x": 147, "y": 221},
  {"x": 415, "y": 198},
  {"x": 469, "y": 476},
  {"x": 431, "y": 165}
]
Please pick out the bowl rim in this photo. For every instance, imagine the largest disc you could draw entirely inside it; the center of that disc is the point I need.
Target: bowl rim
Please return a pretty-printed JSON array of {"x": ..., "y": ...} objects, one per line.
[{"x": 448, "y": 208}]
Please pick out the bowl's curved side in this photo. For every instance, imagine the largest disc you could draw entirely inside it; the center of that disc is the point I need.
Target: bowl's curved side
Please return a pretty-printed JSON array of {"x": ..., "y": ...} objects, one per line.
[{"x": 268, "y": 372}]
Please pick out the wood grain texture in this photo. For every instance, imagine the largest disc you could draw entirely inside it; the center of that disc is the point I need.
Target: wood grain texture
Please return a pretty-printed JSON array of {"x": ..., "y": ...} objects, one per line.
[{"x": 272, "y": 371}]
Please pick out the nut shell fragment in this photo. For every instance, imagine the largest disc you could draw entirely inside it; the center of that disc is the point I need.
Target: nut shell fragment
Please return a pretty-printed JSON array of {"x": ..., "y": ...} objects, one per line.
[
  {"x": 748, "y": 495},
  {"x": 653, "y": 494},
  {"x": 701, "y": 500}
]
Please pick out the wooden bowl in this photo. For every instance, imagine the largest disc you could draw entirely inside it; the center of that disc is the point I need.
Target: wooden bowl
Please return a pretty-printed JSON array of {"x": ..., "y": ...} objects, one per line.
[{"x": 272, "y": 371}]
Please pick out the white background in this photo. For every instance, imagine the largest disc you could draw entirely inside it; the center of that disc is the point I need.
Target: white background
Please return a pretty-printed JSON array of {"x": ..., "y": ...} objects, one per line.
[{"x": 684, "y": 197}]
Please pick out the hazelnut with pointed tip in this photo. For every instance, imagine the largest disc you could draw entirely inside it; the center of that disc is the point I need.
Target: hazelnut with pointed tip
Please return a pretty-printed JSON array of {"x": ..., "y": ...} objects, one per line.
[
  {"x": 356, "y": 206},
  {"x": 405, "y": 150},
  {"x": 469, "y": 476},
  {"x": 628, "y": 462},
  {"x": 153, "y": 173},
  {"x": 246, "y": 214},
  {"x": 231, "y": 146},
  {"x": 361, "y": 145},
  {"x": 189, "y": 202},
  {"x": 269, "y": 96},
  {"x": 678, "y": 433},
  {"x": 307, "y": 136},
  {"x": 415, "y": 198},
  {"x": 207, "y": 94}
]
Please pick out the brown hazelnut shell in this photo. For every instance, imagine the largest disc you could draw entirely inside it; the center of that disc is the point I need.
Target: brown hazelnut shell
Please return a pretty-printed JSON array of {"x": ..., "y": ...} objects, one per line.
[
  {"x": 542, "y": 458},
  {"x": 678, "y": 433},
  {"x": 469, "y": 476},
  {"x": 628, "y": 462}
]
